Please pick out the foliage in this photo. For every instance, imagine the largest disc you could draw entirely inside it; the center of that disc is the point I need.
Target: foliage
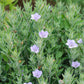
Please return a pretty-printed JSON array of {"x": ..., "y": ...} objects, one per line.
[
  {"x": 18, "y": 33},
  {"x": 10, "y": 3}
]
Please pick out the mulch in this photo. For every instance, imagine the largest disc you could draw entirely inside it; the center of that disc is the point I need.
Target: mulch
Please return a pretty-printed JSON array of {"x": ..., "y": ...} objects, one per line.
[{"x": 20, "y": 4}]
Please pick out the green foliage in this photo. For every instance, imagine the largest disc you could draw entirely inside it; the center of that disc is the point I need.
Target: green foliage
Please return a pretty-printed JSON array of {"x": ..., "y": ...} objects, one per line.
[
  {"x": 18, "y": 33},
  {"x": 5, "y": 3},
  {"x": 69, "y": 78}
]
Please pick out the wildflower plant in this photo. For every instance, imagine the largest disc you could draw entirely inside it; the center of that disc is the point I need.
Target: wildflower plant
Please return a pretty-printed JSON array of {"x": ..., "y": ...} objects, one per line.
[
  {"x": 42, "y": 46},
  {"x": 34, "y": 48},
  {"x": 71, "y": 43},
  {"x": 75, "y": 64},
  {"x": 37, "y": 73},
  {"x": 35, "y": 16},
  {"x": 43, "y": 34}
]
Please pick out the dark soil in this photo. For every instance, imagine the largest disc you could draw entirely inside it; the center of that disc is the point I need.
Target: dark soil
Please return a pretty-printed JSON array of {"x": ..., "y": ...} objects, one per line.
[{"x": 20, "y": 3}]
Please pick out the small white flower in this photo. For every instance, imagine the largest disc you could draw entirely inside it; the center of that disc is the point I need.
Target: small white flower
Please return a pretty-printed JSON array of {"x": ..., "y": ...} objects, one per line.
[
  {"x": 80, "y": 41},
  {"x": 35, "y": 16},
  {"x": 71, "y": 43},
  {"x": 28, "y": 83}
]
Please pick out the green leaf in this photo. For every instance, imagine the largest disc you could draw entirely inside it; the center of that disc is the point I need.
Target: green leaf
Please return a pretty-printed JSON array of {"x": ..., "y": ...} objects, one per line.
[
  {"x": 59, "y": 54},
  {"x": 4, "y": 57},
  {"x": 6, "y": 2}
]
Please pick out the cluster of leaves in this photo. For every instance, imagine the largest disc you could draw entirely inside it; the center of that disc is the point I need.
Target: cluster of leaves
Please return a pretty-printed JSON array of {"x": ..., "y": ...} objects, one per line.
[
  {"x": 10, "y": 3},
  {"x": 79, "y": 2},
  {"x": 18, "y": 33}
]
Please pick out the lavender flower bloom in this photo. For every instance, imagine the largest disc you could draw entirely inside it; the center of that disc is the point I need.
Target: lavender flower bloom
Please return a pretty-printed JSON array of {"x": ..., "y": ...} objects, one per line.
[
  {"x": 22, "y": 74},
  {"x": 71, "y": 43},
  {"x": 75, "y": 64},
  {"x": 80, "y": 41},
  {"x": 34, "y": 48},
  {"x": 37, "y": 73},
  {"x": 28, "y": 83},
  {"x": 43, "y": 34},
  {"x": 35, "y": 16}
]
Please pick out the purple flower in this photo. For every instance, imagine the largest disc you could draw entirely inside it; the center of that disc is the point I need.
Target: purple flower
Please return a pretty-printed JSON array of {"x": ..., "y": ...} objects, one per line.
[
  {"x": 37, "y": 73},
  {"x": 71, "y": 43},
  {"x": 75, "y": 64},
  {"x": 22, "y": 70},
  {"x": 22, "y": 74},
  {"x": 43, "y": 34},
  {"x": 34, "y": 48},
  {"x": 80, "y": 41},
  {"x": 35, "y": 16},
  {"x": 28, "y": 83}
]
